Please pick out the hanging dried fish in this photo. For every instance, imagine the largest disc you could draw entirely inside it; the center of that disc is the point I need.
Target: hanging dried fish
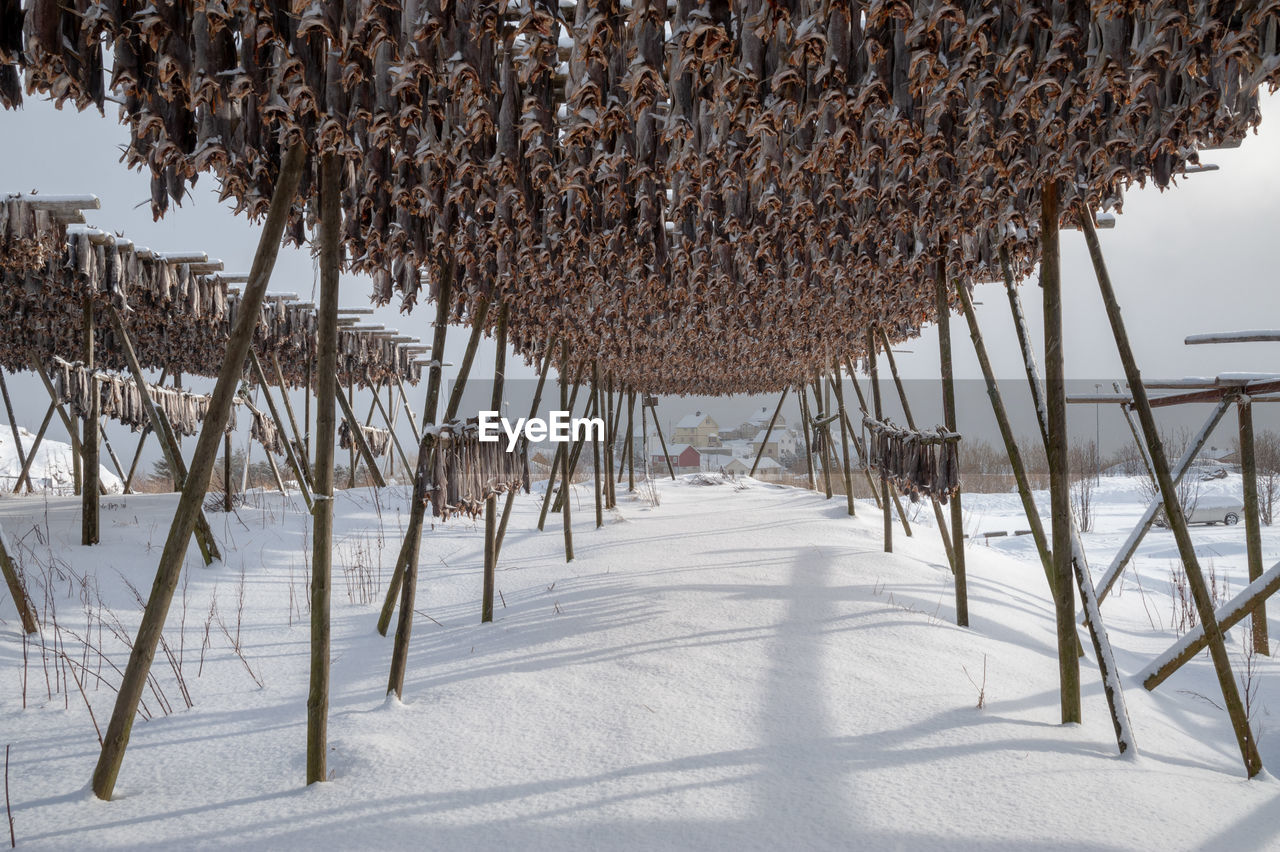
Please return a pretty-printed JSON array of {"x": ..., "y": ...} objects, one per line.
[{"x": 919, "y": 464}]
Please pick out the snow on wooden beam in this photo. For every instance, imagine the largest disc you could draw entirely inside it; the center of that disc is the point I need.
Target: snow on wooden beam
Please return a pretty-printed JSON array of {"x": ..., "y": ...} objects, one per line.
[
  {"x": 59, "y": 204},
  {"x": 1258, "y": 336}
]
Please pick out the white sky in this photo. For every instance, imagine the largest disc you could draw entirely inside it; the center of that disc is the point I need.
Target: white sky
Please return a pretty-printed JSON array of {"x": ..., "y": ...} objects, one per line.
[{"x": 1198, "y": 257}]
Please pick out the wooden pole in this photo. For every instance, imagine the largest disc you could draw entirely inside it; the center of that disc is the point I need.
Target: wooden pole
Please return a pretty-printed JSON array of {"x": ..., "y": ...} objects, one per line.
[
  {"x": 13, "y": 426},
  {"x": 298, "y": 471},
  {"x": 417, "y": 511},
  {"x": 611, "y": 427},
  {"x": 663, "y": 442},
  {"x": 803, "y": 396},
  {"x": 596, "y": 391},
  {"x": 853, "y": 432},
  {"x": 574, "y": 449},
  {"x": 491, "y": 501},
  {"x": 327, "y": 390},
  {"x": 168, "y": 444},
  {"x": 1173, "y": 509},
  {"x": 1059, "y": 474},
  {"x": 834, "y": 382},
  {"x": 404, "y": 403},
  {"x": 302, "y": 462},
  {"x": 352, "y": 423},
  {"x": 552, "y": 475},
  {"x": 228, "y": 488},
  {"x": 1252, "y": 530},
  {"x": 197, "y": 481},
  {"x": 822, "y": 433},
  {"x": 949, "y": 420},
  {"x": 938, "y": 515},
  {"x": 90, "y": 443},
  {"x": 884, "y": 479},
  {"x": 524, "y": 452},
  {"x": 768, "y": 433},
  {"x": 1025, "y": 344},
  {"x": 358, "y": 441},
  {"x": 26, "y": 612},
  {"x": 68, "y": 423},
  {"x": 1191, "y": 643},
  {"x": 631, "y": 440},
  {"x": 106, "y": 444},
  {"x": 404, "y": 580},
  {"x": 1137, "y": 437},
  {"x": 25, "y": 474},
  {"x": 566, "y": 473},
  {"x": 391, "y": 430}
]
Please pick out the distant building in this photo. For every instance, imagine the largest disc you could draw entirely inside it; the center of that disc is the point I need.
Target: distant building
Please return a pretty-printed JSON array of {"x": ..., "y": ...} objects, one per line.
[
  {"x": 782, "y": 442},
  {"x": 697, "y": 430},
  {"x": 753, "y": 424},
  {"x": 684, "y": 458},
  {"x": 767, "y": 469}
]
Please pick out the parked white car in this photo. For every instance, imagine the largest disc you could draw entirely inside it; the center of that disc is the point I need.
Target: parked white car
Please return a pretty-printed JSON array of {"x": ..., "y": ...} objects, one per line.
[{"x": 1210, "y": 509}]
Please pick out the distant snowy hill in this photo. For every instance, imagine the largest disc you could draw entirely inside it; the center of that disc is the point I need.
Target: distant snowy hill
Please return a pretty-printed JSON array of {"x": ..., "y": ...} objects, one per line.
[{"x": 52, "y": 469}]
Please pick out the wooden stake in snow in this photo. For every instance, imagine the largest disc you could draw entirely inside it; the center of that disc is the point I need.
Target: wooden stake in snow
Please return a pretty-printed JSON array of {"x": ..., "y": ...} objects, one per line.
[
  {"x": 662, "y": 441},
  {"x": 1056, "y": 449},
  {"x": 875, "y": 400},
  {"x": 491, "y": 502},
  {"x": 168, "y": 445},
  {"x": 13, "y": 427},
  {"x": 949, "y": 420},
  {"x": 144, "y": 647},
  {"x": 803, "y": 396},
  {"x": 1173, "y": 509},
  {"x": 768, "y": 433},
  {"x": 326, "y": 427},
  {"x": 1252, "y": 532},
  {"x": 24, "y": 476},
  {"x": 566, "y": 473},
  {"x": 596, "y": 391},
  {"x": 294, "y": 463},
  {"x": 16, "y": 590},
  {"x": 90, "y": 444}
]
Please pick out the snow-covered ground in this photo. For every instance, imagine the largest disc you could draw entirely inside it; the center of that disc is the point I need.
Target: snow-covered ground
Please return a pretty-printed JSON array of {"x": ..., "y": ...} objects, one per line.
[{"x": 739, "y": 667}]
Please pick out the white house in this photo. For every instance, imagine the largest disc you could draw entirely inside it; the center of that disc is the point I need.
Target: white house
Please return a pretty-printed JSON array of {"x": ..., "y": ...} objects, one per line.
[{"x": 767, "y": 469}]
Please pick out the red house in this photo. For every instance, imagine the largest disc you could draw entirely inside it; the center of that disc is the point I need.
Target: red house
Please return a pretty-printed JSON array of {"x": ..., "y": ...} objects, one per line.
[{"x": 684, "y": 458}]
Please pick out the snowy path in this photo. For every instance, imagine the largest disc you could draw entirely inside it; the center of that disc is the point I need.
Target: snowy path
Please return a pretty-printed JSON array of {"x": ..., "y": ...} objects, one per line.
[{"x": 735, "y": 669}]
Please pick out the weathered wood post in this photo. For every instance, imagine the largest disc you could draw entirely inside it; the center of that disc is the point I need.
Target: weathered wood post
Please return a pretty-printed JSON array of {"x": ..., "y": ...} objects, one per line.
[
  {"x": 822, "y": 433},
  {"x": 90, "y": 442},
  {"x": 326, "y": 429},
  {"x": 168, "y": 444},
  {"x": 136, "y": 671},
  {"x": 21, "y": 601},
  {"x": 631, "y": 440},
  {"x": 1252, "y": 530},
  {"x": 294, "y": 463},
  {"x": 359, "y": 444},
  {"x": 853, "y": 432},
  {"x": 949, "y": 421},
  {"x": 25, "y": 475},
  {"x": 1056, "y": 449},
  {"x": 299, "y": 440},
  {"x": 13, "y": 426},
  {"x": 227, "y": 487},
  {"x": 876, "y": 410},
  {"x": 596, "y": 392},
  {"x": 404, "y": 580},
  {"x": 803, "y": 396},
  {"x": 611, "y": 428},
  {"x": 565, "y": 472},
  {"x": 939, "y": 517},
  {"x": 662, "y": 440},
  {"x": 1173, "y": 509},
  {"x": 768, "y": 433},
  {"x": 491, "y": 501},
  {"x": 833, "y": 381}
]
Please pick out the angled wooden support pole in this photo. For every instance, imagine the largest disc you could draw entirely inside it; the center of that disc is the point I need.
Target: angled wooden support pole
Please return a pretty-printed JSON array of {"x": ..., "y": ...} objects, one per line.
[
  {"x": 879, "y": 415},
  {"x": 168, "y": 444},
  {"x": 566, "y": 472},
  {"x": 491, "y": 502},
  {"x": 768, "y": 433},
  {"x": 357, "y": 437},
  {"x": 856, "y": 436},
  {"x": 949, "y": 421},
  {"x": 24, "y": 476},
  {"x": 833, "y": 381},
  {"x": 197, "y": 481},
  {"x": 290, "y": 454},
  {"x": 1173, "y": 509},
  {"x": 663, "y": 441},
  {"x": 300, "y": 460},
  {"x": 13, "y": 427},
  {"x": 803, "y": 396},
  {"x": 938, "y": 515},
  {"x": 596, "y": 391},
  {"x": 12, "y": 579}
]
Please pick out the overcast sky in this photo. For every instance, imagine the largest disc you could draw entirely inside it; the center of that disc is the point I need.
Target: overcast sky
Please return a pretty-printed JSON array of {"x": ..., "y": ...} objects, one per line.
[{"x": 1198, "y": 257}]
